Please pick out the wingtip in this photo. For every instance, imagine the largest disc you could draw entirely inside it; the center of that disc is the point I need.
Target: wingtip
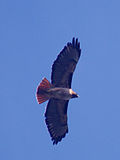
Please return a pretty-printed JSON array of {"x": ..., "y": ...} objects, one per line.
[
  {"x": 76, "y": 43},
  {"x": 73, "y": 41},
  {"x": 58, "y": 139}
]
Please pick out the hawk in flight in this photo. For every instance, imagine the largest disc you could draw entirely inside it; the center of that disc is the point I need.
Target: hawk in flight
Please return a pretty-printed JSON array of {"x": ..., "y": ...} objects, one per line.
[{"x": 59, "y": 91}]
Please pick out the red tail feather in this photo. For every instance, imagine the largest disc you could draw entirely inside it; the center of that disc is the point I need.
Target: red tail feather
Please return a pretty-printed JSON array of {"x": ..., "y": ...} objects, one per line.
[
  {"x": 43, "y": 86},
  {"x": 41, "y": 98}
]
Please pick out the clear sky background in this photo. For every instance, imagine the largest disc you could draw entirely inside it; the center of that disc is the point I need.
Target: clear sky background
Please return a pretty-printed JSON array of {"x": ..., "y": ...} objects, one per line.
[{"x": 32, "y": 33}]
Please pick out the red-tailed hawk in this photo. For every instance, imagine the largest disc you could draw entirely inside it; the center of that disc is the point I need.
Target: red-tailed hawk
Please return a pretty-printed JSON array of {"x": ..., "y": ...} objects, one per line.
[{"x": 59, "y": 91}]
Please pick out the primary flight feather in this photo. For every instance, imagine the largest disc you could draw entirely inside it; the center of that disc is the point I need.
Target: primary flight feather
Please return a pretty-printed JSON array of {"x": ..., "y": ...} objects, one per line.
[{"x": 59, "y": 91}]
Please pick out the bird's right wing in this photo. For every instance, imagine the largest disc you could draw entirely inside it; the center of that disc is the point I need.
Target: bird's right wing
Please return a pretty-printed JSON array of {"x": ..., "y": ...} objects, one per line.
[{"x": 65, "y": 64}]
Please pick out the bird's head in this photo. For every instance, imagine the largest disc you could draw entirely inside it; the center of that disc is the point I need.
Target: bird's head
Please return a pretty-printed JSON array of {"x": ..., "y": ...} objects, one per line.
[{"x": 73, "y": 94}]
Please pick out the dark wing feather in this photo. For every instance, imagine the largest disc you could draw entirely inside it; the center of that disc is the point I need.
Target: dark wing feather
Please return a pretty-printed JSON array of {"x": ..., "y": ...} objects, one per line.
[
  {"x": 64, "y": 65},
  {"x": 56, "y": 119}
]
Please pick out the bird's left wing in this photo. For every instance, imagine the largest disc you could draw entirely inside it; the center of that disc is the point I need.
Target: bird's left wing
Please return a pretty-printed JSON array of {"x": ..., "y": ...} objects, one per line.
[{"x": 56, "y": 119}]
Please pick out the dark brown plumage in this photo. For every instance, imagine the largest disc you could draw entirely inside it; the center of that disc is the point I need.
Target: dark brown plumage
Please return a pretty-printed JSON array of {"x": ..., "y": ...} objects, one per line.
[
  {"x": 61, "y": 78},
  {"x": 64, "y": 66}
]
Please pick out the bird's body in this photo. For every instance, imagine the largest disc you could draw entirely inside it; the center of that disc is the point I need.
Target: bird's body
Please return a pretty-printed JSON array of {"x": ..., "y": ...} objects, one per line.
[{"x": 59, "y": 91}]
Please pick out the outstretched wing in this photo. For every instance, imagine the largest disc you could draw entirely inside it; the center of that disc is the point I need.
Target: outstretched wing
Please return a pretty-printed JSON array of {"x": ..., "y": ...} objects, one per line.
[
  {"x": 56, "y": 119},
  {"x": 64, "y": 65}
]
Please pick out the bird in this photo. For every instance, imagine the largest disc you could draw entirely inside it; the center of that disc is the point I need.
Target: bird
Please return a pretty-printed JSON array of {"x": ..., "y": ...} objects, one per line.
[{"x": 59, "y": 91}]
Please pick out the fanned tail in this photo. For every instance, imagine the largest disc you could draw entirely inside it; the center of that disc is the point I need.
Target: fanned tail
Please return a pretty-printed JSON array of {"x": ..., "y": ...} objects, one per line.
[{"x": 41, "y": 91}]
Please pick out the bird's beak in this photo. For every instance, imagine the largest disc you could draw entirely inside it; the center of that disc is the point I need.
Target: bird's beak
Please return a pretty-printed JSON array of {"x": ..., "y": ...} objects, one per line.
[{"x": 75, "y": 96}]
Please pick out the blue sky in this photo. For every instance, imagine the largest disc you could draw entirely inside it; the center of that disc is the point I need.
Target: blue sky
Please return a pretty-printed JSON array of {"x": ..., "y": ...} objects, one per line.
[{"x": 32, "y": 33}]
